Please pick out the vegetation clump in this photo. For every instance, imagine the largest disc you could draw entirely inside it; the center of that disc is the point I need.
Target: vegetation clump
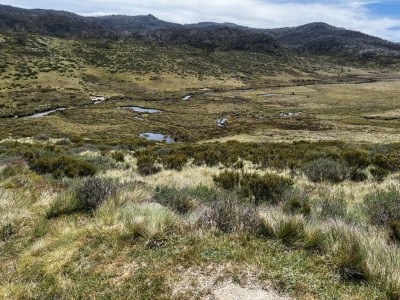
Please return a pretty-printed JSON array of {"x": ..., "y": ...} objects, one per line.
[
  {"x": 326, "y": 169},
  {"x": 147, "y": 165},
  {"x": 63, "y": 166},
  {"x": 383, "y": 206},
  {"x": 262, "y": 188}
]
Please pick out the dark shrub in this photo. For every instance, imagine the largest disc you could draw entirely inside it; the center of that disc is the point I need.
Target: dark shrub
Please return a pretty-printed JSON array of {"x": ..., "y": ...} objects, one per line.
[
  {"x": 15, "y": 167},
  {"x": 265, "y": 188},
  {"x": 42, "y": 137},
  {"x": 394, "y": 230},
  {"x": 228, "y": 216},
  {"x": 174, "y": 161},
  {"x": 379, "y": 173},
  {"x": 383, "y": 206},
  {"x": 180, "y": 201},
  {"x": 63, "y": 166},
  {"x": 358, "y": 176},
  {"x": 209, "y": 157},
  {"x": 6, "y": 231},
  {"x": 332, "y": 208},
  {"x": 186, "y": 199},
  {"x": 297, "y": 206},
  {"x": 94, "y": 191},
  {"x": 357, "y": 159},
  {"x": 118, "y": 156},
  {"x": 64, "y": 142},
  {"x": 227, "y": 180},
  {"x": 146, "y": 165},
  {"x": 326, "y": 169},
  {"x": 389, "y": 161}
]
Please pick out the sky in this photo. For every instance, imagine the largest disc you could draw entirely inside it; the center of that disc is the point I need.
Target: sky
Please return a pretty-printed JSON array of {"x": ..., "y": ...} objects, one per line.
[{"x": 376, "y": 17}]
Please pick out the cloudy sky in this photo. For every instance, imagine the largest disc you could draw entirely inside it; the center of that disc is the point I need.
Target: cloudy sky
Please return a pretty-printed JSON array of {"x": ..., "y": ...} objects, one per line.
[{"x": 377, "y": 17}]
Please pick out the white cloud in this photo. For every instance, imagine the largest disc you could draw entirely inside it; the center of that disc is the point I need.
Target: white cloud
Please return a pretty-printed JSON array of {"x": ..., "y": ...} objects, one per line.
[{"x": 351, "y": 14}]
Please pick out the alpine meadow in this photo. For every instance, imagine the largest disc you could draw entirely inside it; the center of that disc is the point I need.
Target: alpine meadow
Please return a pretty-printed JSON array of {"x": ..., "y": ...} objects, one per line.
[{"x": 143, "y": 159}]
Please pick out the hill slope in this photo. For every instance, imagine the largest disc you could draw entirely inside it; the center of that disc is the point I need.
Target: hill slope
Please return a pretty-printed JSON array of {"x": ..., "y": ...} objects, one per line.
[
  {"x": 321, "y": 38},
  {"x": 314, "y": 38}
]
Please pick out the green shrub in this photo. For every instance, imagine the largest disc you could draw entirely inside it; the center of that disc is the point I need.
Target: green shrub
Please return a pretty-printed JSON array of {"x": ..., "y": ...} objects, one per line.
[
  {"x": 383, "y": 206},
  {"x": 64, "y": 142},
  {"x": 379, "y": 173},
  {"x": 326, "y": 169},
  {"x": 265, "y": 188},
  {"x": 146, "y": 165},
  {"x": 6, "y": 231},
  {"x": 389, "y": 161},
  {"x": 358, "y": 176},
  {"x": 93, "y": 192},
  {"x": 13, "y": 168},
  {"x": 297, "y": 206},
  {"x": 209, "y": 157},
  {"x": 394, "y": 230},
  {"x": 118, "y": 156},
  {"x": 174, "y": 161},
  {"x": 227, "y": 180},
  {"x": 357, "y": 159},
  {"x": 332, "y": 208},
  {"x": 63, "y": 166},
  {"x": 177, "y": 200},
  {"x": 42, "y": 137},
  {"x": 228, "y": 216}
]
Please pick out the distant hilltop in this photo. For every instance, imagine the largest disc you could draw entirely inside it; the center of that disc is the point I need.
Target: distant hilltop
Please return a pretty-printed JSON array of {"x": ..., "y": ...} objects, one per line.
[{"x": 314, "y": 38}]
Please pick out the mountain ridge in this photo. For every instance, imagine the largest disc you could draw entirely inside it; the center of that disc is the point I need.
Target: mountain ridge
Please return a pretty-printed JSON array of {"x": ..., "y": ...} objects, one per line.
[{"x": 314, "y": 38}]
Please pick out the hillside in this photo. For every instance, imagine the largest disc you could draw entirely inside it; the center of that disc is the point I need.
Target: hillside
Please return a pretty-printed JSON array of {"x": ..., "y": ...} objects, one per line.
[
  {"x": 315, "y": 38},
  {"x": 321, "y": 38}
]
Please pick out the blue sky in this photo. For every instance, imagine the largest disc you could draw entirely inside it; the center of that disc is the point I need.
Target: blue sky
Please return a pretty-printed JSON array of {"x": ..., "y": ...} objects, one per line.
[{"x": 376, "y": 17}]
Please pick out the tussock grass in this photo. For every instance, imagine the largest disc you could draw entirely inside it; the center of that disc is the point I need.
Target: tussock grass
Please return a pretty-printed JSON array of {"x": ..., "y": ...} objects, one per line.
[{"x": 149, "y": 221}]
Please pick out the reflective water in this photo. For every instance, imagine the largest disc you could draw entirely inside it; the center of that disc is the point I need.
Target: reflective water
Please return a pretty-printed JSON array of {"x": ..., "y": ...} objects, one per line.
[
  {"x": 45, "y": 113},
  {"x": 142, "y": 109},
  {"x": 158, "y": 137}
]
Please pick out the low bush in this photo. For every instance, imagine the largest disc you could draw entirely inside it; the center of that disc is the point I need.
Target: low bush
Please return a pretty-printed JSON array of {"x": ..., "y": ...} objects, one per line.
[
  {"x": 297, "y": 205},
  {"x": 394, "y": 230},
  {"x": 6, "y": 231},
  {"x": 63, "y": 166},
  {"x": 331, "y": 207},
  {"x": 227, "y": 180},
  {"x": 118, "y": 156},
  {"x": 229, "y": 216},
  {"x": 93, "y": 192},
  {"x": 379, "y": 174},
  {"x": 388, "y": 161},
  {"x": 383, "y": 206},
  {"x": 265, "y": 188},
  {"x": 147, "y": 165},
  {"x": 357, "y": 159},
  {"x": 84, "y": 197},
  {"x": 174, "y": 161},
  {"x": 15, "y": 167},
  {"x": 326, "y": 169},
  {"x": 208, "y": 157},
  {"x": 358, "y": 176}
]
